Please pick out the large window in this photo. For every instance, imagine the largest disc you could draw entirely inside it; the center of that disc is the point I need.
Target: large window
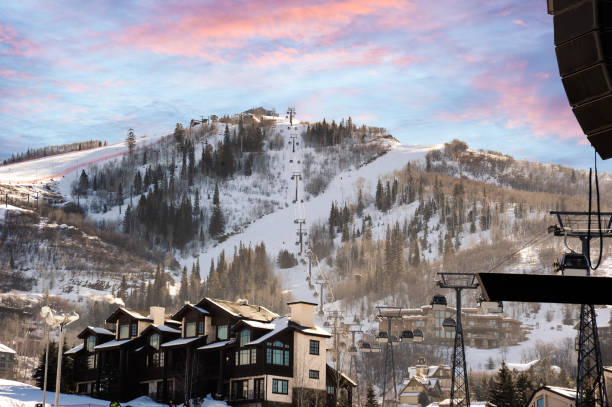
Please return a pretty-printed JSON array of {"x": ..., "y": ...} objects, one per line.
[
  {"x": 280, "y": 386},
  {"x": 240, "y": 389},
  {"x": 222, "y": 332},
  {"x": 134, "y": 330},
  {"x": 245, "y": 337},
  {"x": 91, "y": 361},
  {"x": 200, "y": 327},
  {"x": 190, "y": 329},
  {"x": 245, "y": 357},
  {"x": 157, "y": 359},
  {"x": 313, "y": 374},
  {"x": 154, "y": 341},
  {"x": 124, "y": 331},
  {"x": 259, "y": 389},
  {"x": 91, "y": 343},
  {"x": 277, "y": 353},
  {"x": 314, "y": 347},
  {"x": 540, "y": 402}
]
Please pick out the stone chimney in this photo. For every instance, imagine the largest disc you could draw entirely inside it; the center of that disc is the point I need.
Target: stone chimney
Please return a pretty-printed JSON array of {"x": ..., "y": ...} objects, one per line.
[
  {"x": 158, "y": 314},
  {"x": 302, "y": 312}
]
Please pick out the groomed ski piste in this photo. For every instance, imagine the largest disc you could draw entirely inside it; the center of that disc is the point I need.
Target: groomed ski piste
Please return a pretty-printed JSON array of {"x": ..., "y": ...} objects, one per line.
[
  {"x": 278, "y": 229},
  {"x": 17, "y": 394}
]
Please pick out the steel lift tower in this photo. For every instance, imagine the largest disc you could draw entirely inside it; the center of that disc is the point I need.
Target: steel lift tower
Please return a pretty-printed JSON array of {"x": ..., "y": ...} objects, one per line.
[
  {"x": 290, "y": 114},
  {"x": 590, "y": 384},
  {"x": 460, "y": 391}
]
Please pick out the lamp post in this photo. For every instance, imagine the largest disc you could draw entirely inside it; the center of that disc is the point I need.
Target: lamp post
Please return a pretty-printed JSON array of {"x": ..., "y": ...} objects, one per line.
[{"x": 63, "y": 321}]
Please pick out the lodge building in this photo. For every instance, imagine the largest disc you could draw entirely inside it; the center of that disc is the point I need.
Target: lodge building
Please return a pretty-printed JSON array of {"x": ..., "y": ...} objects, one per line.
[
  {"x": 482, "y": 329},
  {"x": 243, "y": 353}
]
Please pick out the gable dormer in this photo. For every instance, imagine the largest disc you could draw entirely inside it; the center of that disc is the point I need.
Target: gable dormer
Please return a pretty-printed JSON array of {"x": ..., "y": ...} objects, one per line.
[
  {"x": 128, "y": 324},
  {"x": 195, "y": 321}
]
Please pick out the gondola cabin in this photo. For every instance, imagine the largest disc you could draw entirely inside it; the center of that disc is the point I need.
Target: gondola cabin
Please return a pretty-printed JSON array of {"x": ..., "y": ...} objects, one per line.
[{"x": 573, "y": 264}]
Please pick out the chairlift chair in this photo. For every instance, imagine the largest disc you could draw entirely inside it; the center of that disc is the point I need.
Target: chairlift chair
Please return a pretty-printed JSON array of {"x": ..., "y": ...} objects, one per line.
[
  {"x": 353, "y": 350},
  {"x": 395, "y": 340},
  {"x": 326, "y": 324},
  {"x": 382, "y": 337},
  {"x": 449, "y": 324},
  {"x": 407, "y": 336},
  {"x": 375, "y": 349},
  {"x": 418, "y": 335},
  {"x": 573, "y": 264},
  {"x": 439, "y": 302},
  {"x": 365, "y": 347}
]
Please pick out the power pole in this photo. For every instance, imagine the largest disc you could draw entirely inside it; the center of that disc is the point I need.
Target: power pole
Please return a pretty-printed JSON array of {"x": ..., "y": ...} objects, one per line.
[
  {"x": 300, "y": 233},
  {"x": 590, "y": 381},
  {"x": 460, "y": 391},
  {"x": 297, "y": 177},
  {"x": 321, "y": 284},
  {"x": 389, "y": 313},
  {"x": 290, "y": 114}
]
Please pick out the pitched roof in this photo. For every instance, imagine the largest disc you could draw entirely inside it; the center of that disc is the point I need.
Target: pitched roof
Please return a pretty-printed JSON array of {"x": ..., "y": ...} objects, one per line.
[
  {"x": 115, "y": 315},
  {"x": 74, "y": 350},
  {"x": 114, "y": 343},
  {"x": 181, "y": 341},
  {"x": 216, "y": 345},
  {"x": 284, "y": 323},
  {"x": 569, "y": 394},
  {"x": 95, "y": 330},
  {"x": 179, "y": 314},
  {"x": 242, "y": 310},
  {"x": 161, "y": 328},
  {"x": 6, "y": 349}
]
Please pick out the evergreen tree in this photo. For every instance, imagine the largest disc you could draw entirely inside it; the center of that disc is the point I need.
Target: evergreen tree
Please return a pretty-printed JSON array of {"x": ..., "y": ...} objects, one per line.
[
  {"x": 379, "y": 196},
  {"x": 360, "y": 205},
  {"x": 184, "y": 290},
  {"x": 371, "y": 397},
  {"x": 123, "y": 288},
  {"x": 503, "y": 391},
  {"x": 67, "y": 383},
  {"x": 217, "y": 222},
  {"x": 130, "y": 141},
  {"x": 524, "y": 388},
  {"x": 83, "y": 183}
]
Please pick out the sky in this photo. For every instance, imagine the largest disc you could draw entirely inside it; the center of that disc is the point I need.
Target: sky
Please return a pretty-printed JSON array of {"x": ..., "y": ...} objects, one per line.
[{"x": 483, "y": 71}]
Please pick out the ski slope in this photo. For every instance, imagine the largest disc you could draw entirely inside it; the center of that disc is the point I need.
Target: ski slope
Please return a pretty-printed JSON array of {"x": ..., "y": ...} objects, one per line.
[{"x": 56, "y": 166}]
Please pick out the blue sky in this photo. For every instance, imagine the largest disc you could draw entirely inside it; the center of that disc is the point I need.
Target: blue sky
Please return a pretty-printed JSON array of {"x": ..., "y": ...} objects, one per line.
[{"x": 481, "y": 71}]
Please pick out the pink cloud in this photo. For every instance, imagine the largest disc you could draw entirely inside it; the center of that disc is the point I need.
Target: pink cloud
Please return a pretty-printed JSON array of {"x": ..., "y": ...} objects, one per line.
[
  {"x": 518, "y": 103},
  {"x": 519, "y": 22},
  {"x": 212, "y": 33},
  {"x": 16, "y": 44},
  {"x": 10, "y": 74}
]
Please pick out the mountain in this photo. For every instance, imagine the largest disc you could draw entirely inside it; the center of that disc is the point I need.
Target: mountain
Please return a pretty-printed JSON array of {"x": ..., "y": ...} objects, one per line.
[{"x": 211, "y": 209}]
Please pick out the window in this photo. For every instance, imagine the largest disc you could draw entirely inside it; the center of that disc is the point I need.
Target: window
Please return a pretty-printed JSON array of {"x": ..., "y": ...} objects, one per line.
[
  {"x": 280, "y": 386},
  {"x": 190, "y": 329},
  {"x": 240, "y": 389},
  {"x": 540, "y": 402},
  {"x": 277, "y": 353},
  {"x": 245, "y": 337},
  {"x": 222, "y": 332},
  {"x": 259, "y": 389},
  {"x": 314, "y": 347},
  {"x": 313, "y": 374},
  {"x": 253, "y": 356},
  {"x": 420, "y": 323},
  {"x": 200, "y": 327},
  {"x": 124, "y": 331},
  {"x": 91, "y": 361},
  {"x": 157, "y": 359},
  {"x": 91, "y": 343},
  {"x": 245, "y": 357},
  {"x": 331, "y": 390},
  {"x": 154, "y": 341}
]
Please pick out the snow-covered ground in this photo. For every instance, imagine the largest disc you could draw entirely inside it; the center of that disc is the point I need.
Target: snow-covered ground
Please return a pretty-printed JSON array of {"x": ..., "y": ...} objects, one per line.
[{"x": 16, "y": 394}]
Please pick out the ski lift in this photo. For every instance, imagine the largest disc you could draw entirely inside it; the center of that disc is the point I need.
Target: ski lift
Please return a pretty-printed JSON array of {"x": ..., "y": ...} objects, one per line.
[
  {"x": 418, "y": 335},
  {"x": 382, "y": 337},
  {"x": 572, "y": 264},
  {"x": 326, "y": 324},
  {"x": 395, "y": 340},
  {"x": 365, "y": 347},
  {"x": 407, "y": 336},
  {"x": 449, "y": 324},
  {"x": 375, "y": 349},
  {"x": 321, "y": 313},
  {"x": 353, "y": 350},
  {"x": 315, "y": 294},
  {"x": 290, "y": 161},
  {"x": 439, "y": 302}
]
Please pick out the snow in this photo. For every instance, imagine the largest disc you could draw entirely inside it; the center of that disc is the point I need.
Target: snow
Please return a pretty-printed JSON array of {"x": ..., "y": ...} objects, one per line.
[
  {"x": 216, "y": 345},
  {"x": 6, "y": 349},
  {"x": 58, "y": 166},
  {"x": 17, "y": 394},
  {"x": 259, "y": 325},
  {"x": 166, "y": 328},
  {"x": 279, "y": 325},
  {"x": 113, "y": 343},
  {"x": 180, "y": 341},
  {"x": 74, "y": 350},
  {"x": 563, "y": 391},
  {"x": 101, "y": 331}
]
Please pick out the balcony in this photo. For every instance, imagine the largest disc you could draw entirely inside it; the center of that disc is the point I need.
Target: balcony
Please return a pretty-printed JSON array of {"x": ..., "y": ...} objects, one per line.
[{"x": 248, "y": 395}]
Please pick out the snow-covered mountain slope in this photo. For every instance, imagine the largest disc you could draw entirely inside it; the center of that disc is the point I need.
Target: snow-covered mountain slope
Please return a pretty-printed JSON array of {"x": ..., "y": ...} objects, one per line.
[{"x": 57, "y": 166}]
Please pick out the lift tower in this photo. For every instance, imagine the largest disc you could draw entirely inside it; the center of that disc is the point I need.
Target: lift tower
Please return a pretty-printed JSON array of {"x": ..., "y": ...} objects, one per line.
[
  {"x": 590, "y": 383},
  {"x": 389, "y": 313},
  {"x": 460, "y": 391},
  {"x": 290, "y": 114}
]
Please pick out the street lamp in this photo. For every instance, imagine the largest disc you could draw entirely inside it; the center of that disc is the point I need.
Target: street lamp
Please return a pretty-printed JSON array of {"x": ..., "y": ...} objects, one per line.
[{"x": 59, "y": 320}]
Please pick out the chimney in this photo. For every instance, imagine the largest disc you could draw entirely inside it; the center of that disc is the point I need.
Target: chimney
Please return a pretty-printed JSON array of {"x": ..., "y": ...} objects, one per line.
[
  {"x": 158, "y": 314},
  {"x": 302, "y": 312}
]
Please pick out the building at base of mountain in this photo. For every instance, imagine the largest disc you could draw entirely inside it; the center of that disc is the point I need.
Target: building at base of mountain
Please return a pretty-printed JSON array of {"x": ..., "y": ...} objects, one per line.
[{"x": 552, "y": 396}]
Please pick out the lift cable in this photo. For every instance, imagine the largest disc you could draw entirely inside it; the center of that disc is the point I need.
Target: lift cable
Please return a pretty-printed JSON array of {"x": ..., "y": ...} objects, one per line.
[
  {"x": 531, "y": 242},
  {"x": 598, "y": 215}
]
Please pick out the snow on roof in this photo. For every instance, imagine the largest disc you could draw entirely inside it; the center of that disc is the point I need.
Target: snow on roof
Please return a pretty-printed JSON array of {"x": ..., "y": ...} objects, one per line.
[
  {"x": 315, "y": 330},
  {"x": 113, "y": 343},
  {"x": 74, "y": 350},
  {"x": 101, "y": 331},
  {"x": 348, "y": 379},
  {"x": 260, "y": 325},
  {"x": 165, "y": 328},
  {"x": 521, "y": 367},
  {"x": 249, "y": 311},
  {"x": 563, "y": 391},
  {"x": 6, "y": 349},
  {"x": 216, "y": 345},
  {"x": 280, "y": 324},
  {"x": 446, "y": 402},
  {"x": 180, "y": 341}
]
